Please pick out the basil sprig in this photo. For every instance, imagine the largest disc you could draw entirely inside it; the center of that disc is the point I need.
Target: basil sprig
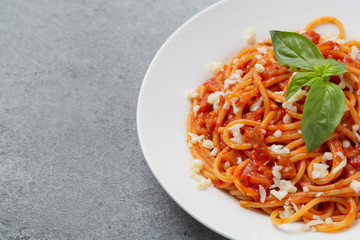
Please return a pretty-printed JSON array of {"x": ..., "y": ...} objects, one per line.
[{"x": 325, "y": 103}]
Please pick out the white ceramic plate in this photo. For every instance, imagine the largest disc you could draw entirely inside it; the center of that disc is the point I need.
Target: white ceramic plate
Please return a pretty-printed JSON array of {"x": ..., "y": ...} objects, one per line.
[{"x": 217, "y": 34}]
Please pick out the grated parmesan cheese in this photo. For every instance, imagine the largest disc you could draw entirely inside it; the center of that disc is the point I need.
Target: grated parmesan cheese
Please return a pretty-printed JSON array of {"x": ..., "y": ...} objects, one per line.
[
  {"x": 319, "y": 194},
  {"x": 214, "y": 152},
  {"x": 196, "y": 176},
  {"x": 295, "y": 207},
  {"x": 191, "y": 94},
  {"x": 289, "y": 106},
  {"x": 259, "y": 68},
  {"x": 327, "y": 156},
  {"x": 195, "y": 138},
  {"x": 194, "y": 171},
  {"x": 227, "y": 164},
  {"x": 355, "y": 127},
  {"x": 355, "y": 185},
  {"x": 257, "y": 104},
  {"x": 287, "y": 186},
  {"x": 340, "y": 41},
  {"x": 340, "y": 166},
  {"x": 196, "y": 109},
  {"x": 332, "y": 37},
  {"x": 305, "y": 189},
  {"x": 236, "y": 75},
  {"x": 287, "y": 212},
  {"x": 215, "y": 68},
  {"x": 342, "y": 83},
  {"x": 357, "y": 136},
  {"x": 329, "y": 220},
  {"x": 278, "y": 133},
  {"x": 208, "y": 144},
  {"x": 239, "y": 160},
  {"x": 354, "y": 53},
  {"x": 279, "y": 194},
  {"x": 262, "y": 193},
  {"x": 204, "y": 183},
  {"x": 276, "y": 171},
  {"x": 294, "y": 98},
  {"x": 319, "y": 170},
  {"x": 345, "y": 143},
  {"x": 196, "y": 165},
  {"x": 235, "y": 131},
  {"x": 228, "y": 82},
  {"x": 297, "y": 96},
  {"x": 279, "y": 149},
  {"x": 235, "y": 108},
  {"x": 214, "y": 99},
  {"x": 262, "y": 50},
  {"x": 284, "y": 186},
  {"x": 287, "y": 119},
  {"x": 250, "y": 35},
  {"x": 280, "y": 92},
  {"x": 233, "y": 104}
]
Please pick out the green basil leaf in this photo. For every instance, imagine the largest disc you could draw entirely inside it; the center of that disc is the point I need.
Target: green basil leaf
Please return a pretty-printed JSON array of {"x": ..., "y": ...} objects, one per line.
[
  {"x": 299, "y": 80},
  {"x": 324, "y": 108},
  {"x": 329, "y": 67},
  {"x": 295, "y": 50}
]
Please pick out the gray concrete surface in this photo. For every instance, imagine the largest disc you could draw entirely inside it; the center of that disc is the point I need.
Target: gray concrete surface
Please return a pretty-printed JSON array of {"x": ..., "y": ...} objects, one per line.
[{"x": 70, "y": 162}]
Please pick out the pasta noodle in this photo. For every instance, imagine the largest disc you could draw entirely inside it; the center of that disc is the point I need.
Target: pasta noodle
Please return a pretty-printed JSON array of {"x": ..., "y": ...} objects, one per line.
[{"x": 250, "y": 142}]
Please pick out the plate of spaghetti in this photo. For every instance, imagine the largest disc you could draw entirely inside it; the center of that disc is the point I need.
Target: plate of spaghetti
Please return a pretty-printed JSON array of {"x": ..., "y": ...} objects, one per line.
[{"x": 270, "y": 133}]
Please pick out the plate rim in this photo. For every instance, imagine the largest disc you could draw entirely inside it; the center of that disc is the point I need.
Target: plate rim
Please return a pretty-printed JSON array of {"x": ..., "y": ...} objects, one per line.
[{"x": 138, "y": 107}]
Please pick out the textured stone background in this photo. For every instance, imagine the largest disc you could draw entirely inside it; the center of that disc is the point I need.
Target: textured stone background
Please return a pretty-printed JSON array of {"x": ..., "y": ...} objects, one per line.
[{"x": 70, "y": 162}]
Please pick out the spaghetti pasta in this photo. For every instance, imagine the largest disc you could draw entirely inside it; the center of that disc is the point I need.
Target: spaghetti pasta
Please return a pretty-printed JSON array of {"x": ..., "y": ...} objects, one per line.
[{"x": 250, "y": 142}]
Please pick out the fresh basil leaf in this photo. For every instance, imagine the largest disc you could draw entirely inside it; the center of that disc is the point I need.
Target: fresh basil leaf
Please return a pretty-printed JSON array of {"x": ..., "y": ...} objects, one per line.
[
  {"x": 329, "y": 67},
  {"x": 295, "y": 50},
  {"x": 299, "y": 80},
  {"x": 323, "y": 111}
]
